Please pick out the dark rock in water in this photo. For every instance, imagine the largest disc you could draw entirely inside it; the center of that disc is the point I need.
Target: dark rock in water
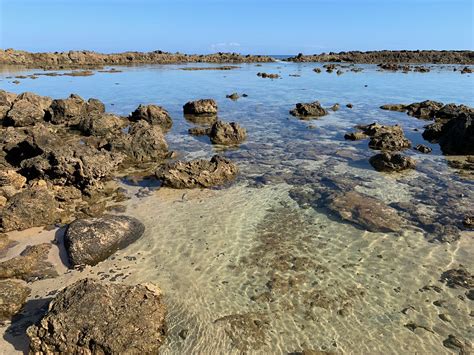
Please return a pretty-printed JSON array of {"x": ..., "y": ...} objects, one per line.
[
  {"x": 355, "y": 136},
  {"x": 391, "y": 162},
  {"x": 227, "y": 133},
  {"x": 92, "y": 240},
  {"x": 27, "y": 110},
  {"x": 154, "y": 115},
  {"x": 33, "y": 207},
  {"x": 201, "y": 107},
  {"x": 32, "y": 264},
  {"x": 100, "y": 124},
  {"x": 425, "y": 110},
  {"x": 197, "y": 173},
  {"x": 423, "y": 148},
  {"x": 433, "y": 131},
  {"x": 468, "y": 222},
  {"x": 394, "y": 107},
  {"x": 204, "y": 119},
  {"x": 455, "y": 278},
  {"x": 317, "y": 70},
  {"x": 267, "y": 75},
  {"x": 335, "y": 107},
  {"x": 234, "y": 96},
  {"x": 386, "y": 138},
  {"x": 13, "y": 295},
  {"x": 143, "y": 143},
  {"x": 308, "y": 110},
  {"x": 90, "y": 317},
  {"x": 365, "y": 211},
  {"x": 466, "y": 70},
  {"x": 199, "y": 131},
  {"x": 458, "y": 135},
  {"x": 349, "y": 105}
]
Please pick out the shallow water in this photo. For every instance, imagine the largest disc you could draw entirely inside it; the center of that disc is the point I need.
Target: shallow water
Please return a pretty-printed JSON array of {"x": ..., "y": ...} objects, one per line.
[{"x": 260, "y": 266}]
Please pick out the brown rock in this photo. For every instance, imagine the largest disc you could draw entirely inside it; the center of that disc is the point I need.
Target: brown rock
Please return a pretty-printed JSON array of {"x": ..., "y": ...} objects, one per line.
[
  {"x": 154, "y": 115},
  {"x": 201, "y": 107},
  {"x": 308, "y": 110},
  {"x": 13, "y": 295},
  {"x": 391, "y": 162},
  {"x": 227, "y": 133}
]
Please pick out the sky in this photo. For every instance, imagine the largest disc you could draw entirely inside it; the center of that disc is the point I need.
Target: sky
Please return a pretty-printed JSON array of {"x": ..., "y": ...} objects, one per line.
[{"x": 244, "y": 26}]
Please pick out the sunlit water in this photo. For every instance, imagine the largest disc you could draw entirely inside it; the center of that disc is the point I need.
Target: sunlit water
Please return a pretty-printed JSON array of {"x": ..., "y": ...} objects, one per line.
[{"x": 250, "y": 267}]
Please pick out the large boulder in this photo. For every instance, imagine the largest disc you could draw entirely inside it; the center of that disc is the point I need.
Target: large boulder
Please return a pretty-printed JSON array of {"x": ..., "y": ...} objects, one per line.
[
  {"x": 386, "y": 138},
  {"x": 458, "y": 135},
  {"x": 197, "y": 173},
  {"x": 33, "y": 207},
  {"x": 308, "y": 110},
  {"x": 201, "y": 107},
  {"x": 154, "y": 115},
  {"x": 391, "y": 162},
  {"x": 27, "y": 110},
  {"x": 6, "y": 101},
  {"x": 90, "y": 317},
  {"x": 92, "y": 240},
  {"x": 365, "y": 211},
  {"x": 11, "y": 183},
  {"x": 13, "y": 295},
  {"x": 100, "y": 124},
  {"x": 70, "y": 111},
  {"x": 227, "y": 133}
]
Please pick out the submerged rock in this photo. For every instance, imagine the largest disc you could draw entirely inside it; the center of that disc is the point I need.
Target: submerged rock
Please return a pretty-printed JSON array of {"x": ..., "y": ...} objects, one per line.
[
  {"x": 391, "y": 162},
  {"x": 313, "y": 109},
  {"x": 13, "y": 295},
  {"x": 201, "y": 107},
  {"x": 227, "y": 133},
  {"x": 32, "y": 264},
  {"x": 366, "y": 212},
  {"x": 234, "y": 96},
  {"x": 423, "y": 148},
  {"x": 355, "y": 136},
  {"x": 154, "y": 115},
  {"x": 197, "y": 173},
  {"x": 460, "y": 277},
  {"x": 92, "y": 240},
  {"x": 199, "y": 131},
  {"x": 90, "y": 317}
]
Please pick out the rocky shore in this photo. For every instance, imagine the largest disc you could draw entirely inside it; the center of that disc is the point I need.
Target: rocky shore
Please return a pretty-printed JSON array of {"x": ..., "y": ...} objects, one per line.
[
  {"x": 403, "y": 56},
  {"x": 78, "y": 59}
]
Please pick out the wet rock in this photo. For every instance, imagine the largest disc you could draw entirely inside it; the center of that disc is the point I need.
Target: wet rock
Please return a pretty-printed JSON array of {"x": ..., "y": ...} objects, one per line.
[
  {"x": 317, "y": 70},
  {"x": 90, "y": 317},
  {"x": 390, "y": 141},
  {"x": 234, "y": 96},
  {"x": 365, "y": 211},
  {"x": 313, "y": 109},
  {"x": 267, "y": 75},
  {"x": 28, "y": 109},
  {"x": 457, "y": 344},
  {"x": 92, "y": 240},
  {"x": 391, "y": 162},
  {"x": 335, "y": 107},
  {"x": 143, "y": 143},
  {"x": 466, "y": 70},
  {"x": 199, "y": 131},
  {"x": 201, "y": 107},
  {"x": 460, "y": 277},
  {"x": 355, "y": 136},
  {"x": 100, "y": 124},
  {"x": 458, "y": 135},
  {"x": 13, "y": 295},
  {"x": 468, "y": 222},
  {"x": 198, "y": 173},
  {"x": 32, "y": 264},
  {"x": 423, "y": 149},
  {"x": 227, "y": 133},
  {"x": 154, "y": 115},
  {"x": 33, "y": 207},
  {"x": 349, "y": 105},
  {"x": 394, "y": 107}
]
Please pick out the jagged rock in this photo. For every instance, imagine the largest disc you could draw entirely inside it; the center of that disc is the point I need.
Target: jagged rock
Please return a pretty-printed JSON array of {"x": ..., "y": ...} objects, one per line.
[
  {"x": 143, "y": 143},
  {"x": 27, "y": 110},
  {"x": 154, "y": 115},
  {"x": 267, "y": 75},
  {"x": 365, "y": 211},
  {"x": 100, "y": 124},
  {"x": 90, "y": 317},
  {"x": 313, "y": 109},
  {"x": 355, "y": 136},
  {"x": 423, "y": 148},
  {"x": 6, "y": 101},
  {"x": 13, "y": 295},
  {"x": 92, "y": 240},
  {"x": 391, "y": 162},
  {"x": 11, "y": 183},
  {"x": 70, "y": 111},
  {"x": 33, "y": 207},
  {"x": 197, "y": 173},
  {"x": 199, "y": 131},
  {"x": 201, "y": 107},
  {"x": 458, "y": 278},
  {"x": 227, "y": 133},
  {"x": 32, "y": 264},
  {"x": 458, "y": 135},
  {"x": 386, "y": 138}
]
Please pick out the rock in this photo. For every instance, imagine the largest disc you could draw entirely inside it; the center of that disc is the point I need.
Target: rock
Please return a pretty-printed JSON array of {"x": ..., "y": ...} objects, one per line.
[
  {"x": 199, "y": 131},
  {"x": 459, "y": 345},
  {"x": 423, "y": 149},
  {"x": 227, "y": 133},
  {"x": 394, "y": 107},
  {"x": 466, "y": 70},
  {"x": 317, "y": 70},
  {"x": 313, "y": 109},
  {"x": 468, "y": 222},
  {"x": 11, "y": 183},
  {"x": 92, "y": 240},
  {"x": 201, "y": 107},
  {"x": 197, "y": 173},
  {"x": 100, "y": 124},
  {"x": 458, "y": 135},
  {"x": 154, "y": 115},
  {"x": 335, "y": 107},
  {"x": 27, "y": 110},
  {"x": 386, "y": 138},
  {"x": 90, "y": 317},
  {"x": 267, "y": 75},
  {"x": 143, "y": 143},
  {"x": 70, "y": 111},
  {"x": 355, "y": 136},
  {"x": 234, "y": 96},
  {"x": 424, "y": 110},
  {"x": 455, "y": 278},
  {"x": 33, "y": 207},
  {"x": 13, "y": 295},
  {"x": 32, "y": 264},
  {"x": 365, "y": 211},
  {"x": 391, "y": 162},
  {"x": 349, "y": 105}
]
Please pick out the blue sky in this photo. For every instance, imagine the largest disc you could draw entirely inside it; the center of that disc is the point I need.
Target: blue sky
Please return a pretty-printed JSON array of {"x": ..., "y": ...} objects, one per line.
[{"x": 246, "y": 26}]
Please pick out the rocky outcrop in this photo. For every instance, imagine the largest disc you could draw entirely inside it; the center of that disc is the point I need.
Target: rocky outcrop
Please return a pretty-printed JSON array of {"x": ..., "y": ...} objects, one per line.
[
  {"x": 197, "y": 173},
  {"x": 90, "y": 317},
  {"x": 389, "y": 162},
  {"x": 27, "y": 109},
  {"x": 365, "y": 211},
  {"x": 154, "y": 115},
  {"x": 70, "y": 111},
  {"x": 201, "y": 107},
  {"x": 13, "y": 295},
  {"x": 92, "y": 240},
  {"x": 100, "y": 124},
  {"x": 385, "y": 138},
  {"x": 309, "y": 110},
  {"x": 227, "y": 133}
]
